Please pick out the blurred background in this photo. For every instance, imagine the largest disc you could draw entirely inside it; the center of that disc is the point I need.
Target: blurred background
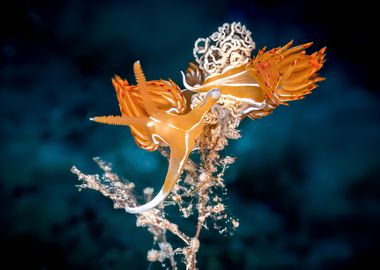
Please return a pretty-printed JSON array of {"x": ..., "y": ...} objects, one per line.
[{"x": 305, "y": 187}]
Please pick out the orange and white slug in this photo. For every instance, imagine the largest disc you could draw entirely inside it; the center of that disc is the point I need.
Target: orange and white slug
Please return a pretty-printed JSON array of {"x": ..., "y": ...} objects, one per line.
[
  {"x": 271, "y": 78},
  {"x": 160, "y": 126}
]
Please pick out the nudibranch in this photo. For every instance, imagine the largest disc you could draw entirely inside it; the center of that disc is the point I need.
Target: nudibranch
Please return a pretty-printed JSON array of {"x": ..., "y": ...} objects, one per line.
[
  {"x": 155, "y": 119},
  {"x": 271, "y": 78},
  {"x": 257, "y": 84}
]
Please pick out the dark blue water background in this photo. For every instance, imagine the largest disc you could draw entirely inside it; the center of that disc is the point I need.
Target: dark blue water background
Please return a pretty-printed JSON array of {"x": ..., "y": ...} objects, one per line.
[{"x": 305, "y": 187}]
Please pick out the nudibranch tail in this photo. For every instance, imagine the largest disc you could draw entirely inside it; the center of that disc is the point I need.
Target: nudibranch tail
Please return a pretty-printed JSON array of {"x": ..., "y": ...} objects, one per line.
[{"x": 177, "y": 161}]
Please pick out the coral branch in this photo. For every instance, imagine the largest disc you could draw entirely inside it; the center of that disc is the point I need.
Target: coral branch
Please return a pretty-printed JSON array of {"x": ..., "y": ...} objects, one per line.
[
  {"x": 154, "y": 217},
  {"x": 109, "y": 184}
]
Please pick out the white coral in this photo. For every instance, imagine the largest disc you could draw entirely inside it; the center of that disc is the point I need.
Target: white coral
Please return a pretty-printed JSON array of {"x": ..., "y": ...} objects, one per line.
[{"x": 230, "y": 46}]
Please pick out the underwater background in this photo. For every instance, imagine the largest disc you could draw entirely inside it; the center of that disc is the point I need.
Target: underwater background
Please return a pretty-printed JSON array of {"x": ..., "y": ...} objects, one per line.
[{"x": 305, "y": 186}]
